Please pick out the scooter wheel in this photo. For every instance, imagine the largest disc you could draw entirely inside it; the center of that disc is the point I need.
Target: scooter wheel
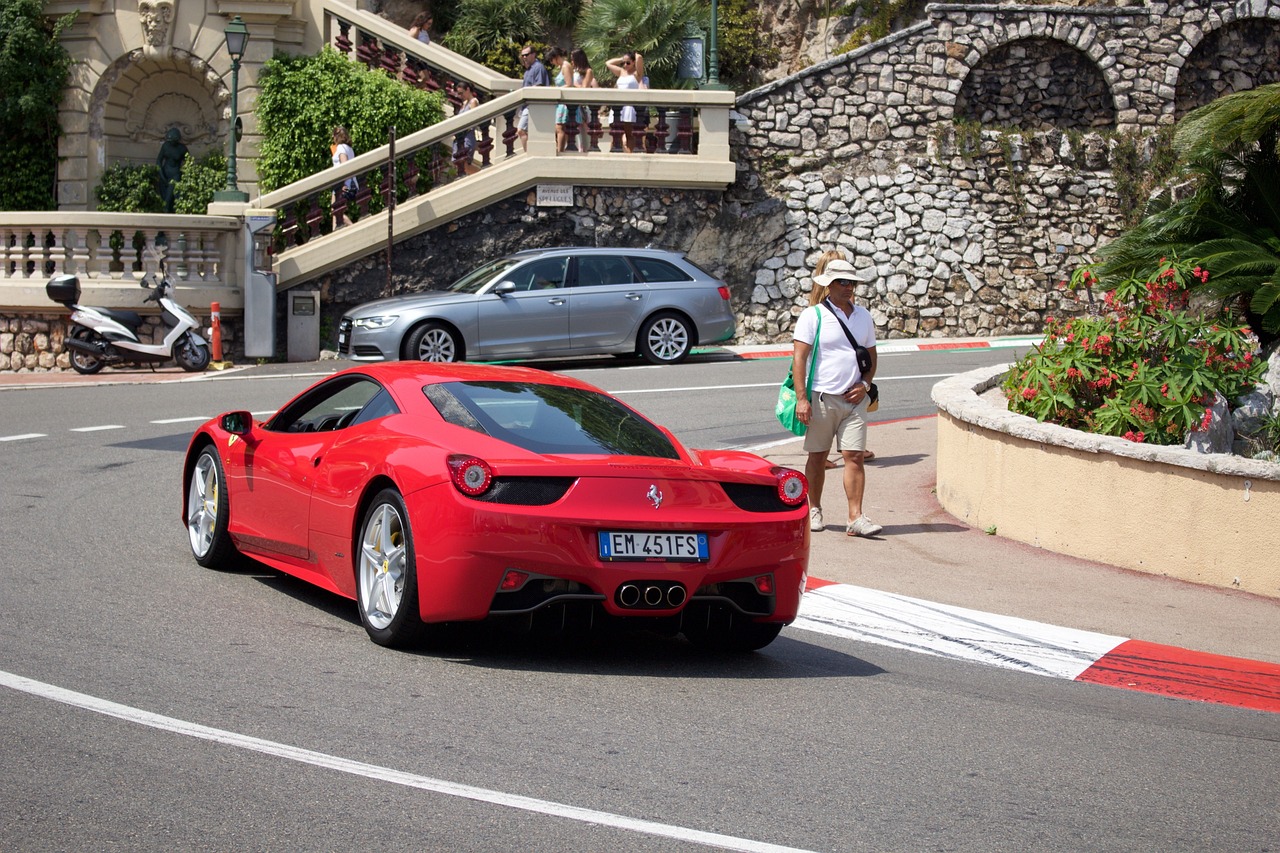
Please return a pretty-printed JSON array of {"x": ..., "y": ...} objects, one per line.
[
  {"x": 190, "y": 355},
  {"x": 83, "y": 362}
]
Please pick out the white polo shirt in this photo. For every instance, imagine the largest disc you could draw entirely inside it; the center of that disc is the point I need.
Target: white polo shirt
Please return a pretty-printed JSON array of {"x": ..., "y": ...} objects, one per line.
[{"x": 837, "y": 369}]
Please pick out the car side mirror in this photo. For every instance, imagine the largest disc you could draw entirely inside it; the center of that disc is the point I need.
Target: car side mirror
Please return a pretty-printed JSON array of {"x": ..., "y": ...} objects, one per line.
[
  {"x": 502, "y": 288},
  {"x": 237, "y": 423}
]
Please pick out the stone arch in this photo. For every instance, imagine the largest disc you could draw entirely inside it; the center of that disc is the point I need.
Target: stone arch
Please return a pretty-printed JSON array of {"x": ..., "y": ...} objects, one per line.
[
  {"x": 1237, "y": 56},
  {"x": 1037, "y": 83},
  {"x": 139, "y": 97}
]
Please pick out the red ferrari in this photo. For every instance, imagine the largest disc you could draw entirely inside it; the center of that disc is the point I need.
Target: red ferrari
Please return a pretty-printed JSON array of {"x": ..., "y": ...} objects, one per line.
[{"x": 434, "y": 493}]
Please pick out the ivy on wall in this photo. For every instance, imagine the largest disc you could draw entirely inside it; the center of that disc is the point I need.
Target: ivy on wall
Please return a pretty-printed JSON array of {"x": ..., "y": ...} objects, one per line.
[
  {"x": 302, "y": 98},
  {"x": 33, "y": 69}
]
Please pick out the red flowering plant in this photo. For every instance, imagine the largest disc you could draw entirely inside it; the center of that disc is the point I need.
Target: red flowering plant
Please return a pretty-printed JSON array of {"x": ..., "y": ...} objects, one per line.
[{"x": 1143, "y": 364}]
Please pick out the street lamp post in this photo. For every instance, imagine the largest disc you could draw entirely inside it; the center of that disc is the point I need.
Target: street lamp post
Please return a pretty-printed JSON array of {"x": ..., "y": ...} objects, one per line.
[
  {"x": 237, "y": 35},
  {"x": 713, "y": 55}
]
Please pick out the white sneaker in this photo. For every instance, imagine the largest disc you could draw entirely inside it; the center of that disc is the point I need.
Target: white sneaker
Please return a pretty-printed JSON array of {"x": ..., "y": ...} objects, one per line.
[
  {"x": 862, "y": 526},
  {"x": 815, "y": 518}
]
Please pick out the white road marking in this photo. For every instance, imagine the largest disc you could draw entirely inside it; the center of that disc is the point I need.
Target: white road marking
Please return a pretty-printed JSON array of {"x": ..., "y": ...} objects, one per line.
[
  {"x": 22, "y": 437},
  {"x": 384, "y": 774},
  {"x": 181, "y": 420},
  {"x": 97, "y": 428},
  {"x": 886, "y": 619}
]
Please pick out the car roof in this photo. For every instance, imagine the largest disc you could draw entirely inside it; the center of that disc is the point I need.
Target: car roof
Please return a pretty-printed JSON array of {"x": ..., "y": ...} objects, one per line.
[
  {"x": 406, "y": 378},
  {"x": 595, "y": 250}
]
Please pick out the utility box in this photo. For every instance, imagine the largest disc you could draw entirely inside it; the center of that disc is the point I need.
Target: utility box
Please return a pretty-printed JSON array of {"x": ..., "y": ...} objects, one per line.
[
  {"x": 303, "y": 328},
  {"x": 259, "y": 285}
]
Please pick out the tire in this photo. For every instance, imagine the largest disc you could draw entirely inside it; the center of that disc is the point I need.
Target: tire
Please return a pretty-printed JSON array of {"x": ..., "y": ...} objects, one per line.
[
  {"x": 665, "y": 339},
  {"x": 386, "y": 578},
  {"x": 728, "y": 632},
  {"x": 433, "y": 342},
  {"x": 209, "y": 511},
  {"x": 82, "y": 363},
  {"x": 191, "y": 354}
]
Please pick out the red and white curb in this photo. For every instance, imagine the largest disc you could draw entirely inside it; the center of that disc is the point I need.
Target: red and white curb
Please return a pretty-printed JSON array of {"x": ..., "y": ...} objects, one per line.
[{"x": 957, "y": 633}]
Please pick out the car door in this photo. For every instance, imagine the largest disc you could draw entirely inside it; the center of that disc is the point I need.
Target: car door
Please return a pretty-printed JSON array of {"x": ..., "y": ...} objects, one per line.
[
  {"x": 608, "y": 302},
  {"x": 529, "y": 318},
  {"x": 277, "y": 468}
]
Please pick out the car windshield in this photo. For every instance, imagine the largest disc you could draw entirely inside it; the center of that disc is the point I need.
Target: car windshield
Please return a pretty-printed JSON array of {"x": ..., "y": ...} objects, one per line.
[
  {"x": 549, "y": 419},
  {"x": 478, "y": 278}
]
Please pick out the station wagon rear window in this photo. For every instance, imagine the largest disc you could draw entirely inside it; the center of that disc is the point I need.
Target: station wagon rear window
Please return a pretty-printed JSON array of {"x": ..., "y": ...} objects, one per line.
[{"x": 549, "y": 419}]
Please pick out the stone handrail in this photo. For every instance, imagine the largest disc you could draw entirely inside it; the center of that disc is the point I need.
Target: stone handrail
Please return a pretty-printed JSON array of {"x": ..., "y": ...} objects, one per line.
[
  {"x": 35, "y": 246},
  {"x": 685, "y": 145},
  {"x": 376, "y": 42},
  {"x": 1203, "y": 517}
]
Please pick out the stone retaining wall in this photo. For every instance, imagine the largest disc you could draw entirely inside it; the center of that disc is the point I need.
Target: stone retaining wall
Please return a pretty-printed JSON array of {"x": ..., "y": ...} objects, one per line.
[
  {"x": 1204, "y": 518},
  {"x": 862, "y": 149}
]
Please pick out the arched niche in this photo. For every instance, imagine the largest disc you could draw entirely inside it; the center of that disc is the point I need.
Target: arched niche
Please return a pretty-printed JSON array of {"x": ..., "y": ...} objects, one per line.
[
  {"x": 1037, "y": 84},
  {"x": 138, "y": 98},
  {"x": 1236, "y": 57}
]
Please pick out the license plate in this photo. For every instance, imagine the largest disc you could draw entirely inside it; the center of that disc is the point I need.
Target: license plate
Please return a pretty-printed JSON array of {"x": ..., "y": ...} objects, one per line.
[
  {"x": 342, "y": 339},
  {"x": 660, "y": 547}
]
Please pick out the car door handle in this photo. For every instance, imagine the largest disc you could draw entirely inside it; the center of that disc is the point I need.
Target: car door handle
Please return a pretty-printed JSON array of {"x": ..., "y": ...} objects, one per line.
[
  {"x": 316, "y": 462},
  {"x": 555, "y": 300},
  {"x": 634, "y": 297}
]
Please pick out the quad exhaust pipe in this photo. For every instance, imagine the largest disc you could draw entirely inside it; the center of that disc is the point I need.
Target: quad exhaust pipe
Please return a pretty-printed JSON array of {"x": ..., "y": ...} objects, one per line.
[{"x": 651, "y": 595}]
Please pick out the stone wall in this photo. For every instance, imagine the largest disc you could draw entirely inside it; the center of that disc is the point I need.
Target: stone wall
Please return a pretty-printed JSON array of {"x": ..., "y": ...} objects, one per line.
[
  {"x": 971, "y": 236},
  {"x": 35, "y": 343}
]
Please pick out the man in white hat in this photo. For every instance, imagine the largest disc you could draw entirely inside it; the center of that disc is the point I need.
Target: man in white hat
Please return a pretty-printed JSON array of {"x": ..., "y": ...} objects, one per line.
[{"x": 838, "y": 391}]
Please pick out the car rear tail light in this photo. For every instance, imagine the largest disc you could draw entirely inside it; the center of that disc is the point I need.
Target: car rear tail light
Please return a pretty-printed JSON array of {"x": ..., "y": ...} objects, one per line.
[
  {"x": 764, "y": 584},
  {"x": 470, "y": 475},
  {"x": 793, "y": 488},
  {"x": 723, "y": 290},
  {"x": 513, "y": 580}
]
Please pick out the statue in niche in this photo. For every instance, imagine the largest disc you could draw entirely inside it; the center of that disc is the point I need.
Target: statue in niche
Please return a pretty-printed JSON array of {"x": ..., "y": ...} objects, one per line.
[
  {"x": 170, "y": 160},
  {"x": 156, "y": 15}
]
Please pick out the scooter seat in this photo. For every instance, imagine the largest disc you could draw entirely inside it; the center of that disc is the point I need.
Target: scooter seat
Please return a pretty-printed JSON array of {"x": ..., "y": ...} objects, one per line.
[{"x": 128, "y": 319}]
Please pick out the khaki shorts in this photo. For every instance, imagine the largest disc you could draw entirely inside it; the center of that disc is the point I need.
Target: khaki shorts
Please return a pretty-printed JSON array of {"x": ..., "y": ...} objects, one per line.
[{"x": 835, "y": 418}]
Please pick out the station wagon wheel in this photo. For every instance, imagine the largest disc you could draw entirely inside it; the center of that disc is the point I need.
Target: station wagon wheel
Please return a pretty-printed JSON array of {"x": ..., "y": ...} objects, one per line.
[
  {"x": 433, "y": 342},
  {"x": 665, "y": 339},
  {"x": 386, "y": 581},
  {"x": 208, "y": 511}
]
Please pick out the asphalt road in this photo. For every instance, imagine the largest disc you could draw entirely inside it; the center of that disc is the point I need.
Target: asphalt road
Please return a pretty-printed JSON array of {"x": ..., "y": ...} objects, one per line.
[{"x": 148, "y": 704}]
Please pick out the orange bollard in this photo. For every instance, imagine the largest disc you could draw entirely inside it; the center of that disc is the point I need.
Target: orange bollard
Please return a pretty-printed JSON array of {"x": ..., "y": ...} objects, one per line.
[{"x": 215, "y": 323}]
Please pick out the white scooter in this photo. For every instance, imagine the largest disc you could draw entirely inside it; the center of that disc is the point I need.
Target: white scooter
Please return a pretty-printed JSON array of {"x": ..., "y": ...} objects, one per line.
[{"x": 109, "y": 336}]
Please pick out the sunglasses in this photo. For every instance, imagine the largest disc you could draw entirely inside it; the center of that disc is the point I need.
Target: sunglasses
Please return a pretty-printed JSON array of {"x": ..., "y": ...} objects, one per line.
[
  {"x": 843, "y": 282},
  {"x": 525, "y": 55}
]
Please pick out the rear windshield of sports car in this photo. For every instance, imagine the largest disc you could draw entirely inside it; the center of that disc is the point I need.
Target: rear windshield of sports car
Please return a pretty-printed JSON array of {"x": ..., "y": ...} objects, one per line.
[{"x": 550, "y": 419}]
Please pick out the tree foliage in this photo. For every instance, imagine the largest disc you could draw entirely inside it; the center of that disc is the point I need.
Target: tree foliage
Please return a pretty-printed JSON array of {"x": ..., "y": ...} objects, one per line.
[
  {"x": 492, "y": 31},
  {"x": 1230, "y": 222},
  {"x": 653, "y": 28},
  {"x": 303, "y": 98},
  {"x": 34, "y": 67}
]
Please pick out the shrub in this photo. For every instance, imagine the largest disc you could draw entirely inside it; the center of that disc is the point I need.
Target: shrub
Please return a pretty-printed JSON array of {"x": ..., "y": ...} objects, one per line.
[
  {"x": 200, "y": 180},
  {"x": 127, "y": 188},
  {"x": 1143, "y": 366}
]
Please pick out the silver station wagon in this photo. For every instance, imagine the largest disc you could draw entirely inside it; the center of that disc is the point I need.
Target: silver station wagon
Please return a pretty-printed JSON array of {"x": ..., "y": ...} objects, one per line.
[{"x": 550, "y": 303}]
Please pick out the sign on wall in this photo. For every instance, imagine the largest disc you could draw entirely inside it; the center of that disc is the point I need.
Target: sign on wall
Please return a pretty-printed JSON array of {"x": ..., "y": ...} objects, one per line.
[{"x": 555, "y": 195}]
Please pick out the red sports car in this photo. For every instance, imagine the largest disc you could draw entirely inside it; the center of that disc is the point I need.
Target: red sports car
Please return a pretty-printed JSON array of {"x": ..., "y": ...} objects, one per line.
[{"x": 434, "y": 493}]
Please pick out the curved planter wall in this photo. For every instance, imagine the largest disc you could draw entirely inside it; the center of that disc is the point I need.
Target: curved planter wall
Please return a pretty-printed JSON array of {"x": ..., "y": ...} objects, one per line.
[{"x": 1206, "y": 518}]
